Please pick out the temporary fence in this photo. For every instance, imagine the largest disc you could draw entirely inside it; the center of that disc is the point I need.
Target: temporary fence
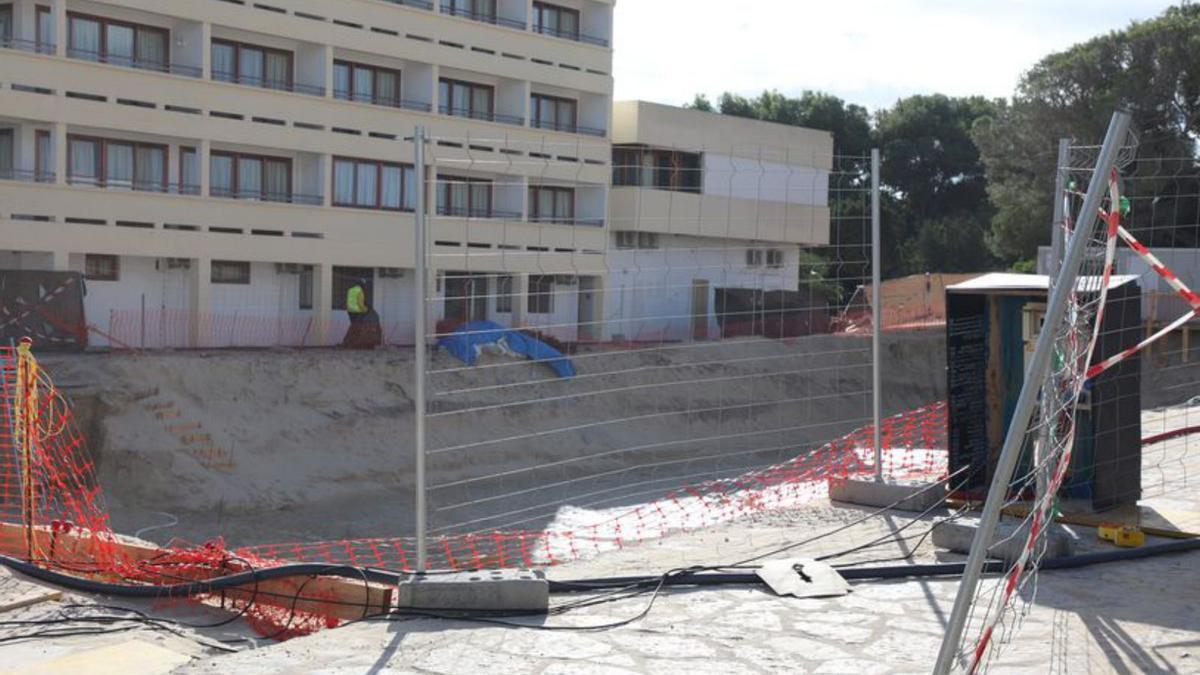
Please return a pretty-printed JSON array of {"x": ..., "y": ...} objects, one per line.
[{"x": 1089, "y": 361}]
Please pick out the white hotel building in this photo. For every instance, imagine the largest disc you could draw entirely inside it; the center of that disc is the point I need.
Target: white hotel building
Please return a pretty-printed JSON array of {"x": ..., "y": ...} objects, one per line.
[{"x": 220, "y": 170}]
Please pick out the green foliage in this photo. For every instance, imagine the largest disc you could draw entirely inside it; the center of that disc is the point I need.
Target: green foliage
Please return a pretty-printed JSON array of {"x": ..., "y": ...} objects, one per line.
[
  {"x": 1152, "y": 68},
  {"x": 968, "y": 182}
]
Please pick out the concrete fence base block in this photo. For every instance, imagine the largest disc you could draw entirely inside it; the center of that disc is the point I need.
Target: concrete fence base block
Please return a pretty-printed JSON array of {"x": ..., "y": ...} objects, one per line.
[
  {"x": 958, "y": 535},
  {"x": 906, "y": 495},
  {"x": 486, "y": 590}
]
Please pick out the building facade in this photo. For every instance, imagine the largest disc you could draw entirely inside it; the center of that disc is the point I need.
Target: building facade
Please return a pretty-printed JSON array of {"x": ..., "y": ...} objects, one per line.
[
  {"x": 704, "y": 206},
  {"x": 221, "y": 170}
]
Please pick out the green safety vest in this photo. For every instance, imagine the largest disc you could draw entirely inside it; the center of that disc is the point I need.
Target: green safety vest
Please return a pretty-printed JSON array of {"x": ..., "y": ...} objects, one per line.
[{"x": 356, "y": 300}]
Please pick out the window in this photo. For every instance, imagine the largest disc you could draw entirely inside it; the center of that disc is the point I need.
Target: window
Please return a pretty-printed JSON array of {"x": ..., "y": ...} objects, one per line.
[
  {"x": 368, "y": 84},
  {"x": 245, "y": 176},
  {"x": 774, "y": 258},
  {"x": 45, "y": 30},
  {"x": 638, "y": 166},
  {"x": 6, "y": 153},
  {"x": 230, "y": 272},
  {"x": 116, "y": 164},
  {"x": 480, "y": 10},
  {"x": 189, "y": 171},
  {"x": 466, "y": 99},
  {"x": 367, "y": 184},
  {"x": 101, "y": 39},
  {"x": 464, "y": 197},
  {"x": 306, "y": 287},
  {"x": 557, "y": 21},
  {"x": 101, "y": 267},
  {"x": 754, "y": 257},
  {"x": 631, "y": 240},
  {"x": 551, "y": 204},
  {"x": 541, "y": 294},
  {"x": 251, "y": 65},
  {"x": 552, "y": 112},
  {"x": 43, "y": 157},
  {"x": 504, "y": 294},
  {"x": 6, "y": 24}
]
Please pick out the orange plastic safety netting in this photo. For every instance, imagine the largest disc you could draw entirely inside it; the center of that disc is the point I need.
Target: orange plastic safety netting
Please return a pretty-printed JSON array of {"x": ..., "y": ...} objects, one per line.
[{"x": 52, "y": 510}]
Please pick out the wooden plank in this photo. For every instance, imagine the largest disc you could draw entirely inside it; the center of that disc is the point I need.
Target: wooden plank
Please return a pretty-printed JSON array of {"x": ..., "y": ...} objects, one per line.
[
  {"x": 133, "y": 657},
  {"x": 1167, "y": 523},
  {"x": 325, "y": 595},
  {"x": 30, "y": 600}
]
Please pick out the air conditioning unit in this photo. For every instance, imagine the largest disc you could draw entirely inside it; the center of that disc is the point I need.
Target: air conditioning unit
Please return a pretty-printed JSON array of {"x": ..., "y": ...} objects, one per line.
[
  {"x": 391, "y": 273},
  {"x": 179, "y": 263},
  {"x": 289, "y": 268}
]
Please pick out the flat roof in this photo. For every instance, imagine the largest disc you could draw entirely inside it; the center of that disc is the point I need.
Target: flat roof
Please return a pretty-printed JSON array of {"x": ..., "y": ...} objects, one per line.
[{"x": 1008, "y": 281}]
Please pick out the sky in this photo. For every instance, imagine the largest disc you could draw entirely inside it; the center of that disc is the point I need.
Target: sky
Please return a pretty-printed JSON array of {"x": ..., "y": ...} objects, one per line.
[{"x": 869, "y": 52}]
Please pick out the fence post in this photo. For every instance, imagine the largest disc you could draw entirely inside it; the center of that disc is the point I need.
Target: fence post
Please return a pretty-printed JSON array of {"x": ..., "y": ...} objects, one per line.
[
  {"x": 420, "y": 316},
  {"x": 876, "y": 317},
  {"x": 1055, "y": 309}
]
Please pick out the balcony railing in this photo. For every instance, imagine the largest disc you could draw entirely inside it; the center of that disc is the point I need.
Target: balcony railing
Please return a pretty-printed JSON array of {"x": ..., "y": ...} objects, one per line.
[
  {"x": 134, "y": 185},
  {"x": 493, "y": 19},
  {"x": 386, "y": 101},
  {"x": 260, "y": 196},
  {"x": 27, "y": 45},
  {"x": 268, "y": 83},
  {"x": 419, "y": 4},
  {"x": 570, "y": 35},
  {"x": 568, "y": 128},
  {"x": 578, "y": 222},
  {"x": 27, "y": 176},
  {"x": 463, "y": 212},
  {"x": 485, "y": 115},
  {"x": 139, "y": 64}
]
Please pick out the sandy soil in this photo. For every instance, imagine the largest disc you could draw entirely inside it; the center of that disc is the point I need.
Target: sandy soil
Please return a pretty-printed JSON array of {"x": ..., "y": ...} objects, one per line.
[{"x": 321, "y": 441}]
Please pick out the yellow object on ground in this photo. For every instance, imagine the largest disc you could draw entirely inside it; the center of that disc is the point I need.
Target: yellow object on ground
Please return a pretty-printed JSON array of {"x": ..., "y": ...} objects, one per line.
[{"x": 1125, "y": 536}]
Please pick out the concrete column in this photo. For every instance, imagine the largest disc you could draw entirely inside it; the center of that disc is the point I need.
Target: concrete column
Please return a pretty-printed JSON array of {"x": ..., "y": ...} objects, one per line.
[
  {"x": 200, "y": 302},
  {"x": 206, "y": 50},
  {"x": 59, "y": 10},
  {"x": 203, "y": 155},
  {"x": 520, "y": 303},
  {"x": 60, "y": 153},
  {"x": 328, "y": 71},
  {"x": 60, "y": 261},
  {"x": 322, "y": 303},
  {"x": 327, "y": 180}
]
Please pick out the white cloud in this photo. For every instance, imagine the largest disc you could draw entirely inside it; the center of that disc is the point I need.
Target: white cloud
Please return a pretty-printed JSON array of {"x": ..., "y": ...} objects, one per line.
[{"x": 867, "y": 51}]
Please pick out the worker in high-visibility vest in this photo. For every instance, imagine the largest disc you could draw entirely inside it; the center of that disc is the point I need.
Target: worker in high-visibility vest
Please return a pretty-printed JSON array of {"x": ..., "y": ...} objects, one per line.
[{"x": 356, "y": 301}]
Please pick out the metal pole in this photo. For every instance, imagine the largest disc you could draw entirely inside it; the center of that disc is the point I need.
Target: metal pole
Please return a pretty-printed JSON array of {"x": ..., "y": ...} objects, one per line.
[
  {"x": 1057, "y": 240},
  {"x": 1060, "y": 184},
  {"x": 876, "y": 317},
  {"x": 1055, "y": 309},
  {"x": 422, "y": 274}
]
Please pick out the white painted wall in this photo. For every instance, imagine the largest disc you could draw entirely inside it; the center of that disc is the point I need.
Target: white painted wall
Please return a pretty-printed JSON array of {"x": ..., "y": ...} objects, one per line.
[
  {"x": 649, "y": 293},
  {"x": 750, "y": 179}
]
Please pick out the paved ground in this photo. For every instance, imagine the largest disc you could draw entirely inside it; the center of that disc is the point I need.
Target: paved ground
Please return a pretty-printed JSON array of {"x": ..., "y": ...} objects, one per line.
[{"x": 1130, "y": 617}]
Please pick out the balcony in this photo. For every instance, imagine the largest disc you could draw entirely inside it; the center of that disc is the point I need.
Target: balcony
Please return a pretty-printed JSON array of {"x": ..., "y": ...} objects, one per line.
[
  {"x": 494, "y": 19},
  {"x": 129, "y": 62},
  {"x": 569, "y": 128},
  {"x": 120, "y": 185},
  {"x": 27, "y": 176},
  {"x": 572, "y": 35},
  {"x": 485, "y": 115},
  {"x": 418, "y": 4},
  {"x": 261, "y": 196},
  {"x": 450, "y": 211},
  {"x": 27, "y": 45},
  {"x": 386, "y": 101},
  {"x": 268, "y": 83}
]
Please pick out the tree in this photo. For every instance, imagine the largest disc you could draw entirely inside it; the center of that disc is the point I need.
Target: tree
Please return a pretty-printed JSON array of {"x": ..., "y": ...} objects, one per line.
[
  {"x": 1153, "y": 69},
  {"x": 931, "y": 166}
]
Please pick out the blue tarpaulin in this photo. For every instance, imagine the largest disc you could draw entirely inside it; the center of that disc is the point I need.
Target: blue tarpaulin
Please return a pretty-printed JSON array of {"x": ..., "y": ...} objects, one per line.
[{"x": 465, "y": 342}]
